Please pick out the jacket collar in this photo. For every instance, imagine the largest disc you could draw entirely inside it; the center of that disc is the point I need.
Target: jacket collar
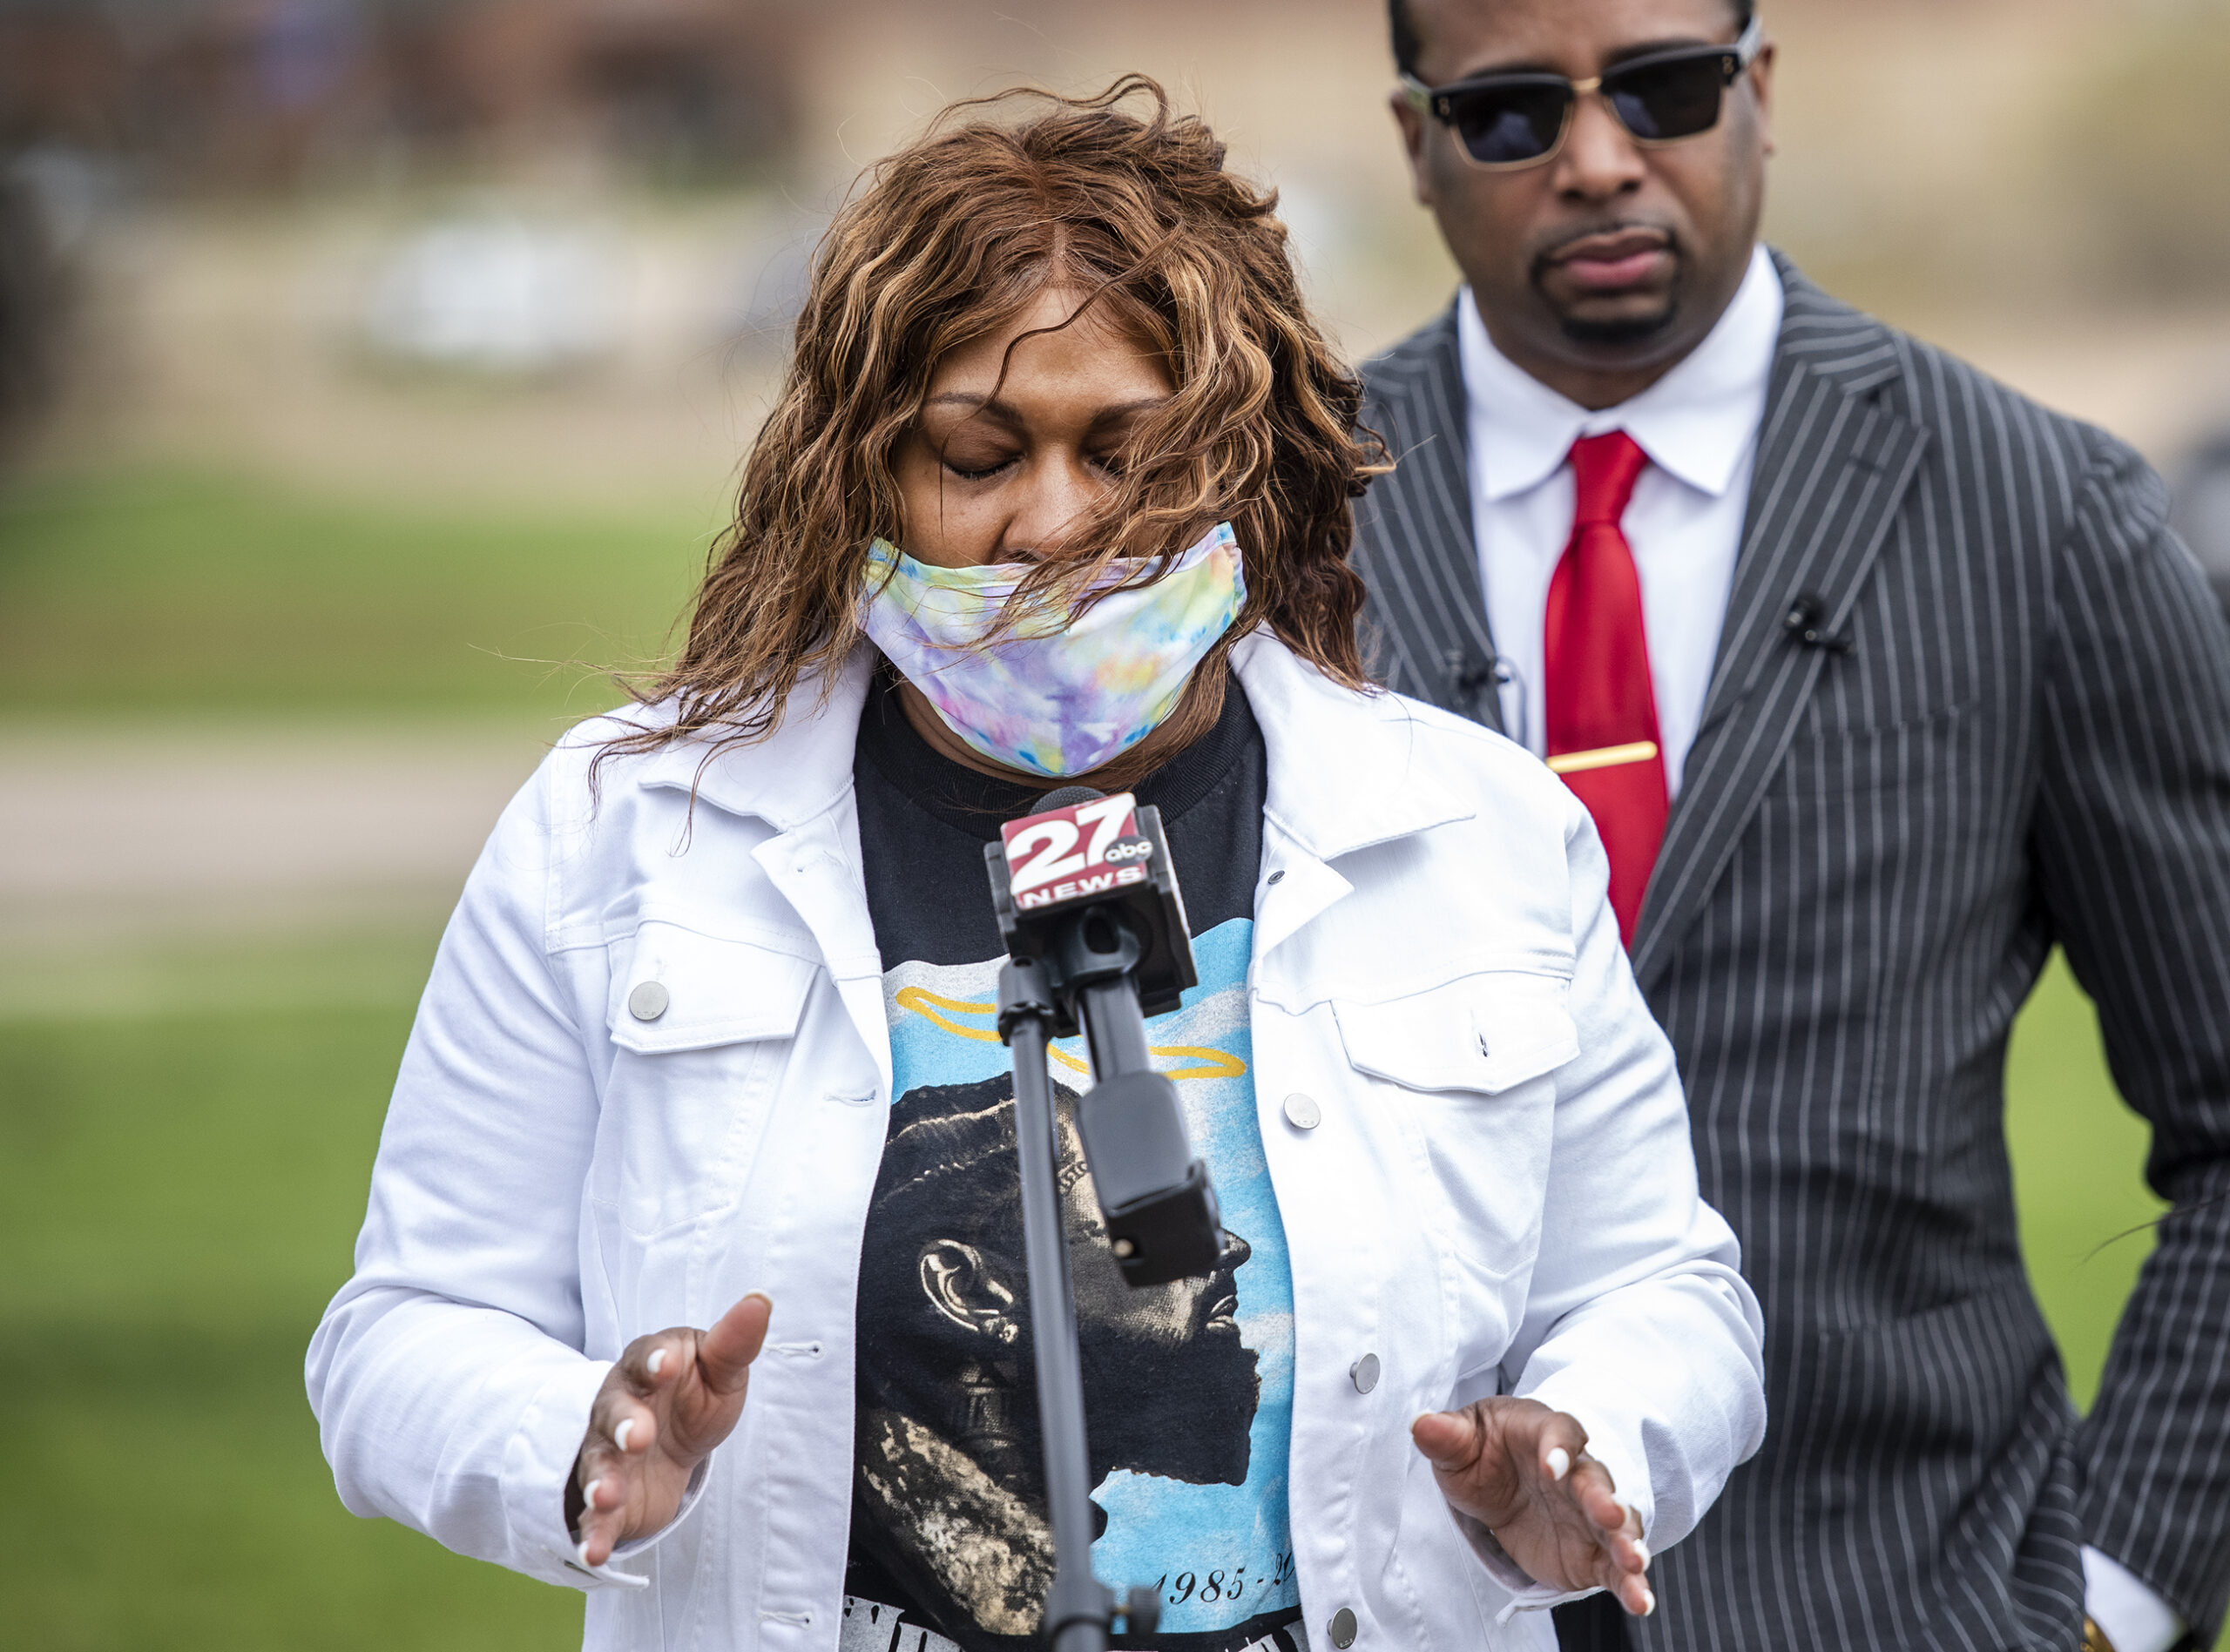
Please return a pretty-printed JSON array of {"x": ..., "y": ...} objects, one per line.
[
  {"x": 1343, "y": 775},
  {"x": 1343, "y": 765},
  {"x": 1413, "y": 531},
  {"x": 796, "y": 774}
]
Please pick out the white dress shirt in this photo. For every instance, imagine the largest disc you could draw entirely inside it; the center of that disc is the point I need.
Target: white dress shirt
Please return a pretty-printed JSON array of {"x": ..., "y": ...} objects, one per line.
[{"x": 1699, "y": 425}]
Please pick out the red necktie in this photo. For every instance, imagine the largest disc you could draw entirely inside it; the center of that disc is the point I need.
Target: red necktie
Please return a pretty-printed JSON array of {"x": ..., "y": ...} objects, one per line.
[{"x": 1602, "y": 713}]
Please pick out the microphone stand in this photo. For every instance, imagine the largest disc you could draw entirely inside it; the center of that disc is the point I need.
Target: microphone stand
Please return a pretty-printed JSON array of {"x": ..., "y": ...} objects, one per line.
[
  {"x": 1079, "y": 1608},
  {"x": 1095, "y": 959}
]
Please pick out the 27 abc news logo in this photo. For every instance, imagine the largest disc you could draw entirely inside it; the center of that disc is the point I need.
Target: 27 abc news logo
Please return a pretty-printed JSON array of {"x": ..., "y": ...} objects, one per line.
[{"x": 1077, "y": 852}]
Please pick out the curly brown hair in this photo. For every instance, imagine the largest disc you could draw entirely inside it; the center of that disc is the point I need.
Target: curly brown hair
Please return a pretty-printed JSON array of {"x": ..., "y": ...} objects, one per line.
[{"x": 951, "y": 237}]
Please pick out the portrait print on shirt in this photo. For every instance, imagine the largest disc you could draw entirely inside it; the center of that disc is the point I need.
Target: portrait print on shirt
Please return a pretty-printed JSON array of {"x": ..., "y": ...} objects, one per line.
[{"x": 1188, "y": 1386}]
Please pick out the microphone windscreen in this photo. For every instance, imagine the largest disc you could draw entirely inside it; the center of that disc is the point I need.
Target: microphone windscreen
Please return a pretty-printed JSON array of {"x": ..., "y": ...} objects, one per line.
[{"x": 1067, "y": 797}]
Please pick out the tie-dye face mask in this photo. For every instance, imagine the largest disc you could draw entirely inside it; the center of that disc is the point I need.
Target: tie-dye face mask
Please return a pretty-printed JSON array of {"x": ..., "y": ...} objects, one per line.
[{"x": 1051, "y": 695}]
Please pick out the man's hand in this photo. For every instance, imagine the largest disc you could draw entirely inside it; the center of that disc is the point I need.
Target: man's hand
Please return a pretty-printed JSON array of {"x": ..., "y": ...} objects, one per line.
[
  {"x": 1524, "y": 1472},
  {"x": 672, "y": 1398}
]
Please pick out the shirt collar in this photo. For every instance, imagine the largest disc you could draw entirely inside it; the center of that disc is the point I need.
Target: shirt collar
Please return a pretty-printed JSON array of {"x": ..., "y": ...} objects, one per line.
[{"x": 1696, "y": 422}]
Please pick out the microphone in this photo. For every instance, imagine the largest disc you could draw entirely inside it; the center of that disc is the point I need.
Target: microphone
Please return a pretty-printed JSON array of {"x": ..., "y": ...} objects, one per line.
[
  {"x": 1087, "y": 899},
  {"x": 1807, "y": 614}
]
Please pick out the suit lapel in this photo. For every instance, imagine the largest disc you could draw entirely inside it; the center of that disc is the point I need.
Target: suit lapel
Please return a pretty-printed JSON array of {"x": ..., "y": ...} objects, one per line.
[
  {"x": 1834, "y": 460},
  {"x": 1414, "y": 542}
]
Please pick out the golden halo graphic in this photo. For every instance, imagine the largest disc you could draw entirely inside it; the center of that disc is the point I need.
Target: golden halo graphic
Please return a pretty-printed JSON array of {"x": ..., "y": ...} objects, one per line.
[{"x": 1203, "y": 1063}]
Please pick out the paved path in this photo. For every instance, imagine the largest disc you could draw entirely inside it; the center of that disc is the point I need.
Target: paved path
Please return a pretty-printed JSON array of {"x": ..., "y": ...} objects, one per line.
[{"x": 112, "y": 838}]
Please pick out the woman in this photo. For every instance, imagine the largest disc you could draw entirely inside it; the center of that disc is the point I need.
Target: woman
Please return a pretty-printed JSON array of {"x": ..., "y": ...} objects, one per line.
[{"x": 1058, "y": 487}]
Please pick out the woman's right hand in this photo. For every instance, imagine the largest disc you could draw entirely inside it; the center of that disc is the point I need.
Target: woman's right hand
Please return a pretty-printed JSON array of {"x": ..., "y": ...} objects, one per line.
[{"x": 672, "y": 1398}]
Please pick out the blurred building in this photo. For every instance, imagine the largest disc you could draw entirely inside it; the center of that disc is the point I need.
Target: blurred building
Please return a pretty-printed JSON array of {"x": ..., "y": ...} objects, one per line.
[{"x": 227, "y": 95}]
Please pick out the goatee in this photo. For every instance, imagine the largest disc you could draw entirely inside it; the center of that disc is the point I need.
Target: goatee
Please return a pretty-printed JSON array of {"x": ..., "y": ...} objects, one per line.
[{"x": 1639, "y": 329}]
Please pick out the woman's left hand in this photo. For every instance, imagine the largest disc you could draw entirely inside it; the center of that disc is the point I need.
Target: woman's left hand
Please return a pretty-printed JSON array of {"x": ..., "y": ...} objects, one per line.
[{"x": 1522, "y": 1471}]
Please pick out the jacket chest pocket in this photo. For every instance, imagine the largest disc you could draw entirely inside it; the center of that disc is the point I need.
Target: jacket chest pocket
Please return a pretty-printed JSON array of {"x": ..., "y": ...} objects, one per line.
[
  {"x": 1471, "y": 1065},
  {"x": 1841, "y": 764},
  {"x": 702, "y": 1029}
]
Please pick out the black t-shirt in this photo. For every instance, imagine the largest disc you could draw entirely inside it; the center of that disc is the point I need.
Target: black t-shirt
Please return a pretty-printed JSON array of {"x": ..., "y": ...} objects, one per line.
[{"x": 1188, "y": 1387}]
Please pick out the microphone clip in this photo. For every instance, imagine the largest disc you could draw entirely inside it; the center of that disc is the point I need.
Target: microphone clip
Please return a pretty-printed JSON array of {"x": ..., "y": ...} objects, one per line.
[{"x": 1807, "y": 614}]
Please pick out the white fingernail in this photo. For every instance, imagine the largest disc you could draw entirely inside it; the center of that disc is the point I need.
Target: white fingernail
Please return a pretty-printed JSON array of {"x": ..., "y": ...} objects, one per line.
[
  {"x": 1559, "y": 1462},
  {"x": 656, "y": 1359},
  {"x": 619, "y": 1434},
  {"x": 1642, "y": 1549},
  {"x": 588, "y": 1493},
  {"x": 1648, "y": 1602}
]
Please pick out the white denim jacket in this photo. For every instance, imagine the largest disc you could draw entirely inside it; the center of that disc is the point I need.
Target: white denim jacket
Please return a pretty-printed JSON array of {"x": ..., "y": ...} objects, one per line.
[{"x": 1500, "y": 1196}]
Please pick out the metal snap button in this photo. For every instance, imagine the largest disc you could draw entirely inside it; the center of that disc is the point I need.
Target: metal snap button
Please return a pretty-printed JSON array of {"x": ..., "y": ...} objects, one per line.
[
  {"x": 1364, "y": 1373},
  {"x": 1343, "y": 1628},
  {"x": 649, "y": 1000},
  {"x": 1302, "y": 1113}
]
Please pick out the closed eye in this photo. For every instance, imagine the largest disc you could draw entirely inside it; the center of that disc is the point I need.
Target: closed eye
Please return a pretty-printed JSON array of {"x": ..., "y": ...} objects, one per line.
[
  {"x": 1111, "y": 464},
  {"x": 984, "y": 474}
]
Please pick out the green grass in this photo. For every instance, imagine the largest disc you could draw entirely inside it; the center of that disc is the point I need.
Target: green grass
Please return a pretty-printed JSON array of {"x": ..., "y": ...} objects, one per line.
[
  {"x": 178, "y": 1190},
  {"x": 2078, "y": 1162},
  {"x": 160, "y": 592},
  {"x": 178, "y": 1193}
]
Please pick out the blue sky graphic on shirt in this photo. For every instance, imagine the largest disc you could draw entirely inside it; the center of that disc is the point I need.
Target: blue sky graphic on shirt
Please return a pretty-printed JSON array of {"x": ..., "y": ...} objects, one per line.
[{"x": 1221, "y": 1554}]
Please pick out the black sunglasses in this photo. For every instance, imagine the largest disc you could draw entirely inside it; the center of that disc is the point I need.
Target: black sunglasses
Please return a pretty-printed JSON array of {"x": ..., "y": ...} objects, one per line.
[{"x": 1508, "y": 121}]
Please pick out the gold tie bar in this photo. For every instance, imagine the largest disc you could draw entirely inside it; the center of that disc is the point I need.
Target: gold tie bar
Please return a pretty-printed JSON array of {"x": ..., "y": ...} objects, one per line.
[{"x": 1604, "y": 757}]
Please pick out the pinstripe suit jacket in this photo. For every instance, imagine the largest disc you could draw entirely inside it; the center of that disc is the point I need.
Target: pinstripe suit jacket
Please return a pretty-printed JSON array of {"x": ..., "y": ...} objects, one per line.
[{"x": 2012, "y": 729}]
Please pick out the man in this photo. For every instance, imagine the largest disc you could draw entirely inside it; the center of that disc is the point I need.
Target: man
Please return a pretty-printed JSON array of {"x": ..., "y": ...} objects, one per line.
[
  {"x": 1878, "y": 680},
  {"x": 939, "y": 1427}
]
